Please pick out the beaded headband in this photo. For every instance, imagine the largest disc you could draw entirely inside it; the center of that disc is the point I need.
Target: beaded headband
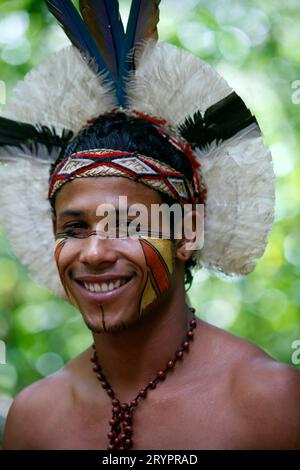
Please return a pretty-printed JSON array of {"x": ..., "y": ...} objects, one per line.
[
  {"x": 141, "y": 168},
  {"x": 102, "y": 162}
]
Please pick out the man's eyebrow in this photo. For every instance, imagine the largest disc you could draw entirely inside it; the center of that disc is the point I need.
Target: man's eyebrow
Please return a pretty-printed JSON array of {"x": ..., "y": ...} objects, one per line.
[{"x": 71, "y": 213}]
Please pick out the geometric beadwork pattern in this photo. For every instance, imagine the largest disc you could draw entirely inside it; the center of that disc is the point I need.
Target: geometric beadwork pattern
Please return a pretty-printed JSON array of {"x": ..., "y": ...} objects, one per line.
[
  {"x": 134, "y": 164},
  {"x": 106, "y": 162},
  {"x": 74, "y": 164}
]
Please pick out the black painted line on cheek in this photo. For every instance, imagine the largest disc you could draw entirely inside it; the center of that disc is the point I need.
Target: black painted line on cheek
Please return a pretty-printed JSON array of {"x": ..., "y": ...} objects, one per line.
[{"x": 103, "y": 320}]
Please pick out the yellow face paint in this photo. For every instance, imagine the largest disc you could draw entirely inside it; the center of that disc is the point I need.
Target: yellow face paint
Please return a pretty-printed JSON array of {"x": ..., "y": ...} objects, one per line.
[{"x": 159, "y": 259}]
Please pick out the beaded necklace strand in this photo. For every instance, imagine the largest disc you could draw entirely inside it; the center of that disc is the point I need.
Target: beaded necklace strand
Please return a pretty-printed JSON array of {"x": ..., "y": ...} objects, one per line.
[{"x": 121, "y": 423}]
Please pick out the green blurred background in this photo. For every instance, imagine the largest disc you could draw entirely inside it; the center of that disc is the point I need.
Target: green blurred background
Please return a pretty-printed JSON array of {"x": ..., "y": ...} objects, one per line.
[{"x": 255, "y": 45}]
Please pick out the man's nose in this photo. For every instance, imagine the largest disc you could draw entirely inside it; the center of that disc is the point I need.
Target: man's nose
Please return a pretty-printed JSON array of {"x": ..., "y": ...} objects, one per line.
[{"x": 95, "y": 250}]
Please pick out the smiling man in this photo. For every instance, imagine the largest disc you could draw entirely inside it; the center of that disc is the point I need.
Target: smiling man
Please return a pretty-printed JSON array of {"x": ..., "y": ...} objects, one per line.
[
  {"x": 165, "y": 129},
  {"x": 114, "y": 299},
  {"x": 146, "y": 270}
]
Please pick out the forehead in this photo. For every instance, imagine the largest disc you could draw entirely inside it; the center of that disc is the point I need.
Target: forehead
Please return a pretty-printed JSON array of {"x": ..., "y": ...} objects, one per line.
[{"x": 88, "y": 193}]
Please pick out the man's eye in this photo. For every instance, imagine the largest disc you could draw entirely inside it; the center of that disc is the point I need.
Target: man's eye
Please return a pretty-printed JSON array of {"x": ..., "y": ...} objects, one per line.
[
  {"x": 75, "y": 225},
  {"x": 74, "y": 229}
]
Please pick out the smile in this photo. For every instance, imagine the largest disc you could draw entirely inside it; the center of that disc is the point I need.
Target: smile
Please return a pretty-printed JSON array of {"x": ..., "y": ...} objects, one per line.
[
  {"x": 104, "y": 286},
  {"x": 102, "y": 291}
]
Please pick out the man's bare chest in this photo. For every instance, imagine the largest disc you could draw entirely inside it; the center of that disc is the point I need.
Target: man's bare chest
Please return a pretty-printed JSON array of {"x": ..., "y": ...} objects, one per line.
[{"x": 168, "y": 423}]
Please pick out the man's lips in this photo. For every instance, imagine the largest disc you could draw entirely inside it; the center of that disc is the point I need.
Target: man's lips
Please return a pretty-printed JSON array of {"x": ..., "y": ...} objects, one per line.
[{"x": 102, "y": 296}]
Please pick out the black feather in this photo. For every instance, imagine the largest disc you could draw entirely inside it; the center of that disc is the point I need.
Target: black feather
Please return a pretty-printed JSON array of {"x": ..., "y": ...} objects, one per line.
[
  {"x": 30, "y": 139},
  {"x": 192, "y": 127},
  {"x": 221, "y": 121}
]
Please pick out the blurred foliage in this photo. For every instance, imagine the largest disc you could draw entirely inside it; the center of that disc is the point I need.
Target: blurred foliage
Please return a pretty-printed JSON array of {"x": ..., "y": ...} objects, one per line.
[{"x": 255, "y": 46}]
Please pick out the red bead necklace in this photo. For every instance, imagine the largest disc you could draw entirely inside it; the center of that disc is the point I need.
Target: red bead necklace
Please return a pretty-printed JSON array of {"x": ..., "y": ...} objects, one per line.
[{"x": 120, "y": 435}]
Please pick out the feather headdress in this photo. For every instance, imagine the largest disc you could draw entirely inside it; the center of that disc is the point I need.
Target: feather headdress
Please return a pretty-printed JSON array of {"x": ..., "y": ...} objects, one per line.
[{"x": 132, "y": 71}]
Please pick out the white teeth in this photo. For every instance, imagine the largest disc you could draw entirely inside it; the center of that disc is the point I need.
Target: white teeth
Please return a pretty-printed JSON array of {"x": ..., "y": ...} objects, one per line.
[
  {"x": 89, "y": 287},
  {"x": 104, "y": 287}
]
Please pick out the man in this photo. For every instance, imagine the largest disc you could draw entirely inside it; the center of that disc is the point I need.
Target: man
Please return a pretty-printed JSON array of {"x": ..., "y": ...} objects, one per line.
[{"x": 157, "y": 378}]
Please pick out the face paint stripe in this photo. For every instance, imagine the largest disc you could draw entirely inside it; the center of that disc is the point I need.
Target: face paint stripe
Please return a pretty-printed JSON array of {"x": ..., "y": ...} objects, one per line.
[
  {"x": 164, "y": 247},
  {"x": 72, "y": 298},
  {"x": 58, "y": 247},
  {"x": 59, "y": 244},
  {"x": 102, "y": 317},
  {"x": 158, "y": 268}
]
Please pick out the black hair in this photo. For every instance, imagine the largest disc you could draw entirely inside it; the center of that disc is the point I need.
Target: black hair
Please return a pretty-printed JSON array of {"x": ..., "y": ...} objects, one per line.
[{"x": 119, "y": 131}]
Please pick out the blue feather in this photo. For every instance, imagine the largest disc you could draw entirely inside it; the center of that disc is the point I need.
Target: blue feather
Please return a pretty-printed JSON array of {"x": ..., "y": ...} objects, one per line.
[
  {"x": 75, "y": 28},
  {"x": 146, "y": 25},
  {"x": 103, "y": 27},
  {"x": 116, "y": 25},
  {"x": 142, "y": 24},
  {"x": 128, "y": 45},
  {"x": 103, "y": 19}
]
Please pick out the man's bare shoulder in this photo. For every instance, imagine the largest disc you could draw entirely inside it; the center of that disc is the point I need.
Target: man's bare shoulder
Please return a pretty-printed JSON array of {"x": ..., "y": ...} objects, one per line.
[
  {"x": 42, "y": 404},
  {"x": 265, "y": 394},
  {"x": 268, "y": 395}
]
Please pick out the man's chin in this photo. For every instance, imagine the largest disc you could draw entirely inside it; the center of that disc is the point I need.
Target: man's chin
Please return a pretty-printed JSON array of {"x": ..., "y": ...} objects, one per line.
[{"x": 105, "y": 324}]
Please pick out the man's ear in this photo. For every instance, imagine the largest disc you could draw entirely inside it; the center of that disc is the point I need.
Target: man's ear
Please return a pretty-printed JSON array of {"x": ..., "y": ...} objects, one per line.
[
  {"x": 192, "y": 233},
  {"x": 181, "y": 252}
]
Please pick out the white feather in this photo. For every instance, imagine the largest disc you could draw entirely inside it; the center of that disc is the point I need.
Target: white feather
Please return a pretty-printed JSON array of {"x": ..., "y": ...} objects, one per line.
[
  {"x": 240, "y": 184},
  {"x": 25, "y": 214},
  {"x": 63, "y": 92},
  {"x": 172, "y": 83}
]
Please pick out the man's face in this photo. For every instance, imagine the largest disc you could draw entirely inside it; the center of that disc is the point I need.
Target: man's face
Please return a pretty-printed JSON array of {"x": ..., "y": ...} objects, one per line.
[{"x": 112, "y": 281}]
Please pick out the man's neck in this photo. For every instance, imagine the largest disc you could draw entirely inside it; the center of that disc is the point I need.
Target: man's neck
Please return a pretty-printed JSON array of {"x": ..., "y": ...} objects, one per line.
[{"x": 130, "y": 358}]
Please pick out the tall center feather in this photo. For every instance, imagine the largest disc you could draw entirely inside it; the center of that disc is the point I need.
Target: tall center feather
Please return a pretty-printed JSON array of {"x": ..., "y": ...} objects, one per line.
[{"x": 105, "y": 25}]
